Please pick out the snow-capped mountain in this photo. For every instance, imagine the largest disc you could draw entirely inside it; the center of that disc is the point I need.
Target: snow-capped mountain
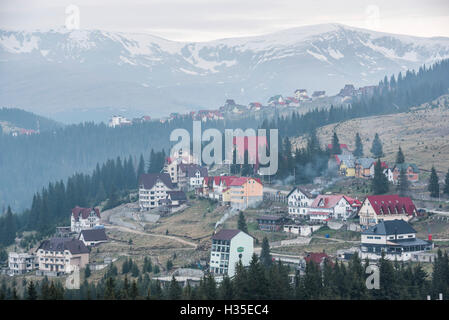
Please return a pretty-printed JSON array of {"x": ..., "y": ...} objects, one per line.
[{"x": 86, "y": 74}]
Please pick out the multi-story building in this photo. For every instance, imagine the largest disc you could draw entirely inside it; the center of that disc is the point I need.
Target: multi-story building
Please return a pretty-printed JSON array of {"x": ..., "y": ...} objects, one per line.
[
  {"x": 334, "y": 206},
  {"x": 230, "y": 246},
  {"x": 385, "y": 207},
  {"x": 245, "y": 192},
  {"x": 61, "y": 256},
  {"x": 20, "y": 263},
  {"x": 84, "y": 218},
  {"x": 153, "y": 187},
  {"x": 395, "y": 238},
  {"x": 299, "y": 202}
]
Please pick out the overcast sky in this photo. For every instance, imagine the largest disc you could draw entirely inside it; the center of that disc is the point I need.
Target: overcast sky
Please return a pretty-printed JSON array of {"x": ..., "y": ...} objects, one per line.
[{"x": 201, "y": 20}]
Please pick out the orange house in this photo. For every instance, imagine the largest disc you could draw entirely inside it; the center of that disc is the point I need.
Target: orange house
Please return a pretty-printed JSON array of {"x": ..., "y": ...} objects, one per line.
[{"x": 245, "y": 192}]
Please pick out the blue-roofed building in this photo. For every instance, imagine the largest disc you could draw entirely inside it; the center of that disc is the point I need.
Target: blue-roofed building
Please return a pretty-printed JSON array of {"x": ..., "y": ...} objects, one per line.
[{"x": 396, "y": 238}]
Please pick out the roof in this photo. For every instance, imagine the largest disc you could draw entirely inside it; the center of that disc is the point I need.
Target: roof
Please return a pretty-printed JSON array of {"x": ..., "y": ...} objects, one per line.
[
  {"x": 94, "y": 235},
  {"x": 353, "y": 202},
  {"x": 303, "y": 191},
  {"x": 192, "y": 169},
  {"x": 392, "y": 204},
  {"x": 329, "y": 201},
  {"x": 390, "y": 227},
  {"x": 148, "y": 180},
  {"x": 61, "y": 244},
  {"x": 316, "y": 257},
  {"x": 225, "y": 234},
  {"x": 365, "y": 162},
  {"x": 242, "y": 180},
  {"x": 177, "y": 195},
  {"x": 343, "y": 157},
  {"x": 84, "y": 212},
  {"x": 405, "y": 165}
]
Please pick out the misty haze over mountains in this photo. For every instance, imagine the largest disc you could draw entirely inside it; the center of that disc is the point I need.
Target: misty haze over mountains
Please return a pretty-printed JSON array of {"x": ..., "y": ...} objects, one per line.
[{"x": 79, "y": 75}]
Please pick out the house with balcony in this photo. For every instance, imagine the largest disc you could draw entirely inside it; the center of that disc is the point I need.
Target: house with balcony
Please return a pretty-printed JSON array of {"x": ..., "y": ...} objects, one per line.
[
  {"x": 395, "y": 238},
  {"x": 153, "y": 187},
  {"x": 58, "y": 256},
  {"x": 245, "y": 192},
  {"x": 338, "y": 207},
  {"x": 299, "y": 201},
  {"x": 20, "y": 263},
  {"x": 84, "y": 218}
]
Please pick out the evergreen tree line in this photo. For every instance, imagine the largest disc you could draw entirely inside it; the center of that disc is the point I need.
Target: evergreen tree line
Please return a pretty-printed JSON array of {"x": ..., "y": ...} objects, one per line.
[
  {"x": 52, "y": 206},
  {"x": 262, "y": 279},
  {"x": 390, "y": 96}
]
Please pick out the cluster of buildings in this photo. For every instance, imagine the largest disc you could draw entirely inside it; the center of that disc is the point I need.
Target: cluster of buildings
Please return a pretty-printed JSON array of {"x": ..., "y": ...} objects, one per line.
[
  {"x": 237, "y": 192},
  {"x": 118, "y": 121},
  {"x": 350, "y": 166},
  {"x": 67, "y": 252},
  {"x": 350, "y": 91},
  {"x": 321, "y": 208}
]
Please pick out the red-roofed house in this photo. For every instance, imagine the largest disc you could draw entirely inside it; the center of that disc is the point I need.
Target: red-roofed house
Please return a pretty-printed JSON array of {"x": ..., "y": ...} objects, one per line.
[
  {"x": 385, "y": 207},
  {"x": 245, "y": 192},
  {"x": 84, "y": 219},
  {"x": 338, "y": 206}
]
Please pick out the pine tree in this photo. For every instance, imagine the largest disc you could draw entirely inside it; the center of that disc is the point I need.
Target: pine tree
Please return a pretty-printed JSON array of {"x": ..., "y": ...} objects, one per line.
[
  {"x": 434, "y": 186},
  {"x": 140, "y": 168},
  {"x": 335, "y": 144},
  {"x": 403, "y": 183},
  {"x": 109, "y": 292},
  {"x": 31, "y": 291},
  {"x": 87, "y": 272},
  {"x": 241, "y": 225},
  {"x": 400, "y": 156},
  {"x": 265, "y": 256},
  {"x": 380, "y": 181},
  {"x": 174, "y": 290},
  {"x": 376, "y": 148},
  {"x": 358, "y": 152},
  {"x": 446, "y": 184}
]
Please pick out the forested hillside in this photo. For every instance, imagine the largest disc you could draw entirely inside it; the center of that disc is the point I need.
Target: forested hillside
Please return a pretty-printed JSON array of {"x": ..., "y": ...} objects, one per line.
[
  {"x": 27, "y": 163},
  {"x": 27, "y": 120}
]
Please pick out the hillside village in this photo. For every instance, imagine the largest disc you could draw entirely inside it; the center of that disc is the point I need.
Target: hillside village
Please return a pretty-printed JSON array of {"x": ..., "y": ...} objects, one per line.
[{"x": 200, "y": 222}]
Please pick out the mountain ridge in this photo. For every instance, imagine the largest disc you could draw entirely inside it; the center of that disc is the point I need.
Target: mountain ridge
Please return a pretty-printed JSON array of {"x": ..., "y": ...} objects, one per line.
[{"x": 138, "y": 73}]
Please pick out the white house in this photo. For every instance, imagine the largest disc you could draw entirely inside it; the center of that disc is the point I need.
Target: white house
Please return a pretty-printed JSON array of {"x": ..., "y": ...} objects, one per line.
[
  {"x": 396, "y": 238},
  {"x": 20, "y": 263},
  {"x": 118, "y": 121},
  {"x": 61, "y": 256},
  {"x": 153, "y": 187},
  {"x": 93, "y": 237},
  {"x": 339, "y": 207},
  {"x": 230, "y": 246},
  {"x": 84, "y": 218},
  {"x": 299, "y": 202}
]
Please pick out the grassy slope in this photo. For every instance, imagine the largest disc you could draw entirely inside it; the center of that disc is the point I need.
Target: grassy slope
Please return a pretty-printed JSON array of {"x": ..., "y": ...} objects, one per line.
[{"x": 422, "y": 134}]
